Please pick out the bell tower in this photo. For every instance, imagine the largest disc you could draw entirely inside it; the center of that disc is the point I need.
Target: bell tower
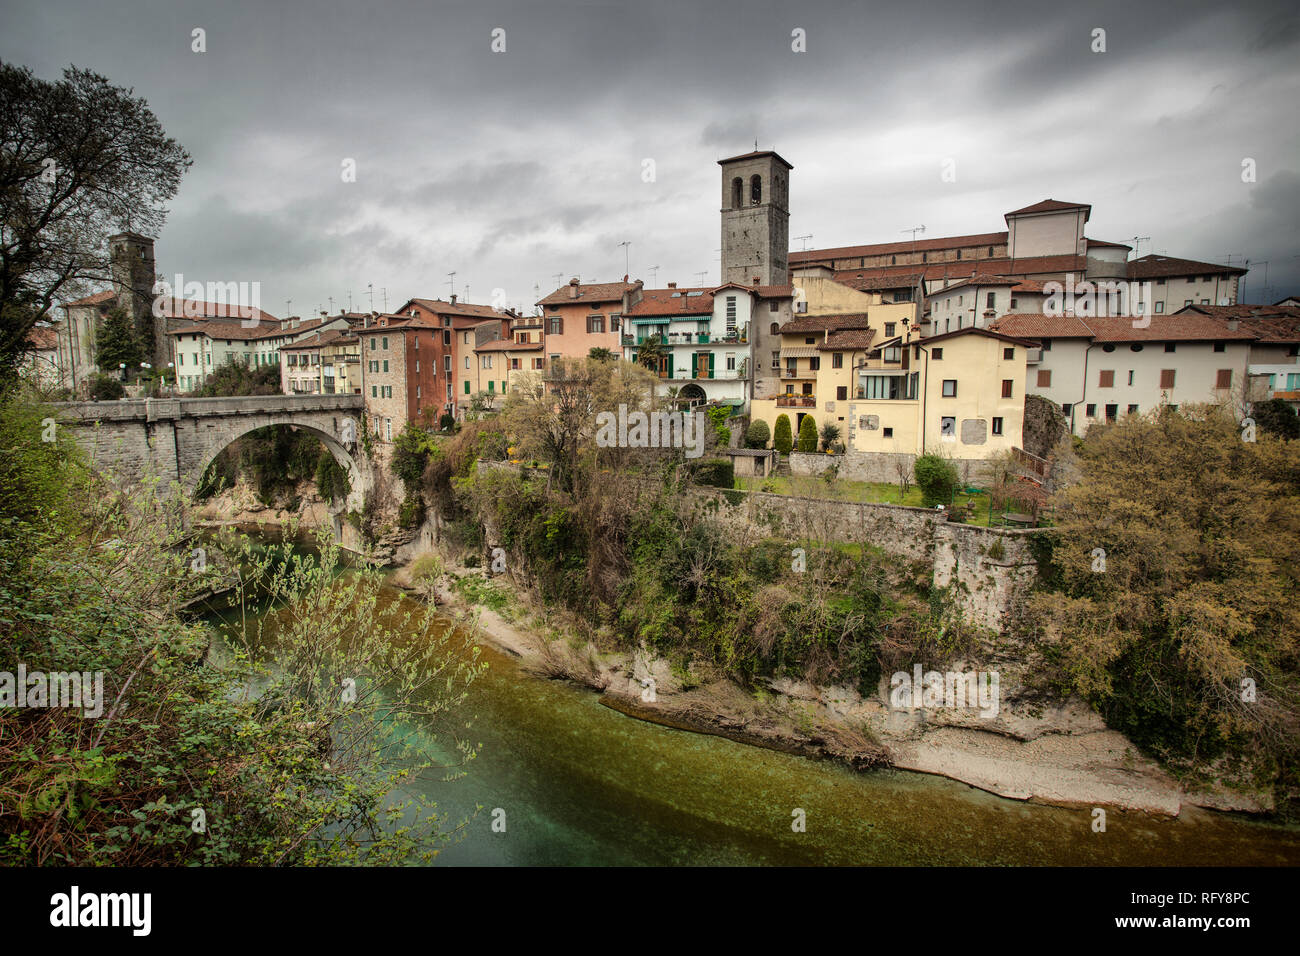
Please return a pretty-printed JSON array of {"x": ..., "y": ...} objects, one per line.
[{"x": 756, "y": 218}]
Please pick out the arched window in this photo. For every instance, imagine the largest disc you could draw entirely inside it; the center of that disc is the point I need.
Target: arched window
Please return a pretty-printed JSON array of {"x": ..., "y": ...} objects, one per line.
[
  {"x": 755, "y": 189},
  {"x": 893, "y": 260},
  {"x": 737, "y": 193},
  {"x": 776, "y": 326}
]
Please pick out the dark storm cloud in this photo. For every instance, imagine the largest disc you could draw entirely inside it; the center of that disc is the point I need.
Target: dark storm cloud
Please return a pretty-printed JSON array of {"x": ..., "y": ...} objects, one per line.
[{"x": 511, "y": 168}]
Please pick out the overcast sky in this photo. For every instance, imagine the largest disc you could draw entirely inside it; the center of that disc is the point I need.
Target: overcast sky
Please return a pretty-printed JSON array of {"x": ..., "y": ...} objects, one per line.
[{"x": 512, "y": 168}]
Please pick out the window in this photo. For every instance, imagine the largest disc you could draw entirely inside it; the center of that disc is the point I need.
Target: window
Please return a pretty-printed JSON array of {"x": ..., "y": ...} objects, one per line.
[
  {"x": 737, "y": 192},
  {"x": 1067, "y": 409},
  {"x": 417, "y": 366},
  {"x": 417, "y": 343},
  {"x": 810, "y": 341},
  {"x": 1132, "y": 409},
  {"x": 1091, "y": 410},
  {"x": 1170, "y": 347},
  {"x": 1224, "y": 378},
  {"x": 731, "y": 361},
  {"x": 467, "y": 361},
  {"x": 385, "y": 343},
  {"x": 837, "y": 360},
  {"x": 385, "y": 365},
  {"x": 989, "y": 303},
  {"x": 1130, "y": 376},
  {"x": 373, "y": 345},
  {"x": 887, "y": 432},
  {"x": 615, "y": 321},
  {"x": 936, "y": 354},
  {"x": 1009, "y": 354},
  {"x": 1160, "y": 308},
  {"x": 889, "y": 329},
  {"x": 997, "y": 426},
  {"x": 388, "y": 429},
  {"x": 755, "y": 190},
  {"x": 948, "y": 427},
  {"x": 772, "y": 306},
  {"x": 892, "y": 354},
  {"x": 949, "y": 388},
  {"x": 775, "y": 328},
  {"x": 1112, "y": 412},
  {"x": 1205, "y": 302},
  {"x": 731, "y": 315},
  {"x": 776, "y": 360},
  {"x": 1013, "y": 302},
  {"x": 466, "y": 386},
  {"x": 1107, "y": 379},
  {"x": 446, "y": 336},
  {"x": 374, "y": 391},
  {"x": 1167, "y": 378},
  {"x": 1044, "y": 378},
  {"x": 814, "y": 364},
  {"x": 1006, "y": 388},
  {"x": 417, "y": 393},
  {"x": 1187, "y": 302},
  {"x": 595, "y": 323},
  {"x": 557, "y": 325},
  {"x": 446, "y": 364}
]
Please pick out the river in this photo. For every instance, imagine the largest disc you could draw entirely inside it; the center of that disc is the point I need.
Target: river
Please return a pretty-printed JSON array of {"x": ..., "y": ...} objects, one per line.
[{"x": 580, "y": 783}]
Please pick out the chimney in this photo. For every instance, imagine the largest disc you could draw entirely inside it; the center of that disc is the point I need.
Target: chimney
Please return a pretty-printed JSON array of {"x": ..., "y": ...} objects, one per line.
[
  {"x": 624, "y": 278},
  {"x": 672, "y": 285},
  {"x": 453, "y": 298},
  {"x": 638, "y": 284},
  {"x": 365, "y": 323},
  {"x": 757, "y": 279},
  {"x": 573, "y": 288},
  {"x": 1233, "y": 325}
]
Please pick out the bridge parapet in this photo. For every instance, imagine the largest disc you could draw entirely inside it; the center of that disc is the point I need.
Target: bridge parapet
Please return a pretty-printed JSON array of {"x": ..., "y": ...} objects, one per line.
[{"x": 170, "y": 409}]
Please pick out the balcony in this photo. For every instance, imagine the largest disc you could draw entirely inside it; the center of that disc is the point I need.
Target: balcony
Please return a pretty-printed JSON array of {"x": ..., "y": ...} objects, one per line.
[
  {"x": 796, "y": 401},
  {"x": 1033, "y": 356}
]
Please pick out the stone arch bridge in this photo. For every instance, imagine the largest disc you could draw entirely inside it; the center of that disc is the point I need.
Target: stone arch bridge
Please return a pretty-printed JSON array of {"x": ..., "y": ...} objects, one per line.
[{"x": 177, "y": 438}]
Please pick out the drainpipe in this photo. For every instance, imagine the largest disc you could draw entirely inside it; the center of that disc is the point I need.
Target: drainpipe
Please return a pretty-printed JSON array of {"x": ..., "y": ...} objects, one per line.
[
  {"x": 925, "y": 392},
  {"x": 1085, "y": 385}
]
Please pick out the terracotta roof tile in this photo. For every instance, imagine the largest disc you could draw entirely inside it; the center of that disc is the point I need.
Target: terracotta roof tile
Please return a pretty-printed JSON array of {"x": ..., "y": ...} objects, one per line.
[
  {"x": 1049, "y": 205},
  {"x": 1154, "y": 267},
  {"x": 667, "y": 302},
  {"x": 825, "y": 323},
  {"x": 905, "y": 245},
  {"x": 591, "y": 292},
  {"x": 856, "y": 339}
]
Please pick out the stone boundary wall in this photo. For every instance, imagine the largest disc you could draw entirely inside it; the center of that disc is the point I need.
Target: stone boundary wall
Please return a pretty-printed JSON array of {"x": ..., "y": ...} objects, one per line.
[
  {"x": 877, "y": 466},
  {"x": 990, "y": 570}
]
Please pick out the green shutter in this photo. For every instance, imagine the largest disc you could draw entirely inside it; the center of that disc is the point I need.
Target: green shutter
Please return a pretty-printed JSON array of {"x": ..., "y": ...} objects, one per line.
[
  {"x": 466, "y": 386},
  {"x": 670, "y": 364},
  {"x": 710, "y": 365}
]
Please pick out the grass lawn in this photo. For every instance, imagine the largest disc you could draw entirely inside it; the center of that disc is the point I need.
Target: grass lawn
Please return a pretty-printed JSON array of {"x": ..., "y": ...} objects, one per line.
[{"x": 843, "y": 489}]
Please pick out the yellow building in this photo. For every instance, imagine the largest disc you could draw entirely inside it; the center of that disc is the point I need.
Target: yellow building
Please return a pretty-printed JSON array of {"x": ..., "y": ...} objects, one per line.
[{"x": 960, "y": 394}]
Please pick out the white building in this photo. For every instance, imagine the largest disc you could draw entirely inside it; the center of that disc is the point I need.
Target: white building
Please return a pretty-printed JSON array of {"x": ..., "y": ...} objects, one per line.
[
  {"x": 704, "y": 337},
  {"x": 1098, "y": 369}
]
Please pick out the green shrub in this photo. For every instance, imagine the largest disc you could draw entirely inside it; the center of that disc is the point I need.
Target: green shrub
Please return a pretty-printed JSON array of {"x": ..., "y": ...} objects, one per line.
[
  {"x": 331, "y": 477},
  {"x": 757, "y": 434},
  {"x": 716, "y": 472},
  {"x": 807, "y": 434},
  {"x": 937, "y": 479},
  {"x": 830, "y": 435},
  {"x": 782, "y": 437},
  {"x": 106, "y": 388}
]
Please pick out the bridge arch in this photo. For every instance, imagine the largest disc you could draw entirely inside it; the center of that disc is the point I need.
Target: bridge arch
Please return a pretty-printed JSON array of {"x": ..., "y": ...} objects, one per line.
[
  {"x": 332, "y": 437},
  {"x": 177, "y": 438}
]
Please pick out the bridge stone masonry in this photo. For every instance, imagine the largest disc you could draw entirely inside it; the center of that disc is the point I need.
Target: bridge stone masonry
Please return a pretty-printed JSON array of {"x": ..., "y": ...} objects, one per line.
[{"x": 177, "y": 438}]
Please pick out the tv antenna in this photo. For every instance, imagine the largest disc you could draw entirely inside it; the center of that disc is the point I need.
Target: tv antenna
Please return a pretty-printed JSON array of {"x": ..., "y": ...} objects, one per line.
[
  {"x": 451, "y": 281},
  {"x": 805, "y": 240},
  {"x": 654, "y": 275},
  {"x": 370, "y": 290},
  {"x": 627, "y": 256},
  {"x": 1137, "y": 244}
]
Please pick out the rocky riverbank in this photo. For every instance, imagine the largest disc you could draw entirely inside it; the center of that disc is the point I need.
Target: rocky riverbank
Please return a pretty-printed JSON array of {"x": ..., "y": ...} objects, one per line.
[{"x": 1062, "y": 754}]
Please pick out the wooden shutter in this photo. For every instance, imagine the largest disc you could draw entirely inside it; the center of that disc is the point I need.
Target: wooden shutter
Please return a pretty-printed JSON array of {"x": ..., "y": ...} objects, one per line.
[
  {"x": 1044, "y": 378},
  {"x": 1006, "y": 388},
  {"x": 1167, "y": 378},
  {"x": 1224, "y": 378},
  {"x": 1107, "y": 379}
]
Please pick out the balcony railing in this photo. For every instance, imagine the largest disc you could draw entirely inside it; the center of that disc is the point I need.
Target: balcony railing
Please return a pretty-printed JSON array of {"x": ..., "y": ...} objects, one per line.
[
  {"x": 683, "y": 338},
  {"x": 796, "y": 401}
]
